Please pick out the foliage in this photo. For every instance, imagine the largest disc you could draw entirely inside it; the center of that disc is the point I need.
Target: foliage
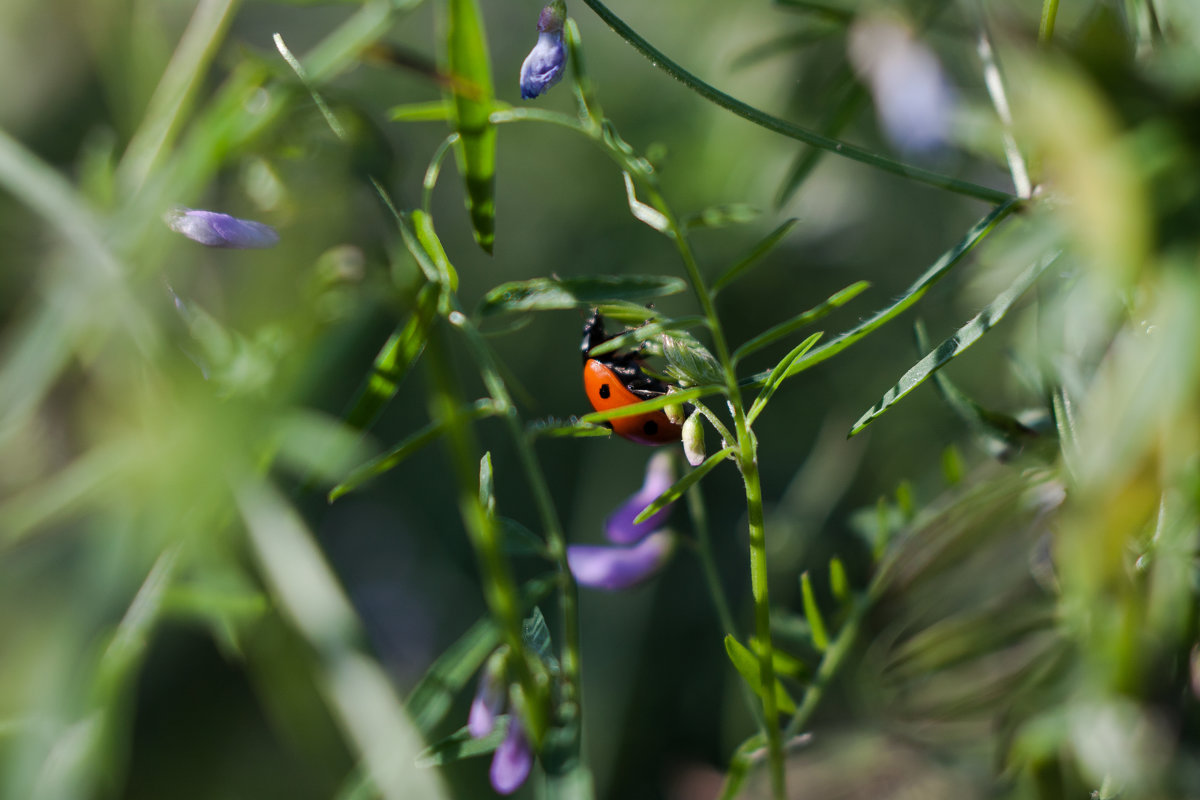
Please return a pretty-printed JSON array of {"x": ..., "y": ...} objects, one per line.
[{"x": 251, "y": 499}]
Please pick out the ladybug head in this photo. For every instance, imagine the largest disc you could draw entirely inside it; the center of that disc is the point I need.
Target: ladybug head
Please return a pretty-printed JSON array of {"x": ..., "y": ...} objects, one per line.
[{"x": 593, "y": 334}]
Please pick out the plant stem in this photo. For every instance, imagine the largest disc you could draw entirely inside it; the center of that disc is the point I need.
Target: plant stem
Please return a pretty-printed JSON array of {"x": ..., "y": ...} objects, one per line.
[
  {"x": 555, "y": 539},
  {"x": 780, "y": 126},
  {"x": 1046, "y": 27}
]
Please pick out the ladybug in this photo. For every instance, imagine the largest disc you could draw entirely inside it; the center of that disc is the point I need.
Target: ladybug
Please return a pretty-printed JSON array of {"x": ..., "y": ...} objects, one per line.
[{"x": 614, "y": 380}]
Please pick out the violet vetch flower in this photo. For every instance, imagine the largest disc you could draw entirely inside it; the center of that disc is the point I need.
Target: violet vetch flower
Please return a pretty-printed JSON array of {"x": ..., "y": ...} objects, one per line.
[
  {"x": 614, "y": 568},
  {"x": 543, "y": 66},
  {"x": 488, "y": 702},
  {"x": 214, "y": 229},
  {"x": 619, "y": 527},
  {"x": 512, "y": 760},
  {"x": 913, "y": 99}
]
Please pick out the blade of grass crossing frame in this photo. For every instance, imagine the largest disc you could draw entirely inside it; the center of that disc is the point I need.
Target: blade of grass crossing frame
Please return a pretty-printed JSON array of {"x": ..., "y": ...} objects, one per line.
[
  {"x": 963, "y": 338},
  {"x": 812, "y": 613},
  {"x": 754, "y": 257},
  {"x": 915, "y": 292},
  {"x": 468, "y": 62},
  {"x": 808, "y": 317},
  {"x": 682, "y": 485}
]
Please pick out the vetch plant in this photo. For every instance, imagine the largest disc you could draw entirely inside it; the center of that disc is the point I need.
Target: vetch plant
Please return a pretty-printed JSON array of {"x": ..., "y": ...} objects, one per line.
[{"x": 1015, "y": 560}]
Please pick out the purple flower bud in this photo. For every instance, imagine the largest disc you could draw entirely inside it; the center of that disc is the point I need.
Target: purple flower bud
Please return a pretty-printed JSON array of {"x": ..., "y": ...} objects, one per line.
[
  {"x": 512, "y": 760},
  {"x": 543, "y": 66},
  {"x": 614, "y": 568},
  {"x": 488, "y": 702},
  {"x": 220, "y": 230},
  {"x": 619, "y": 527}
]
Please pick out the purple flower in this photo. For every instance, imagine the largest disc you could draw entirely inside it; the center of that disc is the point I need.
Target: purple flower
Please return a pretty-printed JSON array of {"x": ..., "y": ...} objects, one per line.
[
  {"x": 614, "y": 568},
  {"x": 620, "y": 527},
  {"x": 488, "y": 703},
  {"x": 543, "y": 66},
  {"x": 220, "y": 230},
  {"x": 512, "y": 760}
]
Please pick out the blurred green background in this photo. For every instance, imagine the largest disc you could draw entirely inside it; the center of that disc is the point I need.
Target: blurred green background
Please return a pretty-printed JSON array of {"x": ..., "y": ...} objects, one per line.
[{"x": 129, "y": 432}]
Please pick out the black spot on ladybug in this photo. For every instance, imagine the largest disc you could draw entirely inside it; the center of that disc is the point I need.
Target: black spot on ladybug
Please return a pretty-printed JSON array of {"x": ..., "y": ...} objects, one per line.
[
  {"x": 650, "y": 428},
  {"x": 605, "y": 391}
]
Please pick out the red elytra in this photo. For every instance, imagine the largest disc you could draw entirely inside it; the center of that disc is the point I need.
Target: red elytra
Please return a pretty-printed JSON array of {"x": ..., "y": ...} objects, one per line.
[{"x": 615, "y": 380}]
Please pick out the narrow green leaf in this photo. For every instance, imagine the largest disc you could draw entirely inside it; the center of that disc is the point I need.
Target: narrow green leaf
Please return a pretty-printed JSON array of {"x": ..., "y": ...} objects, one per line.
[
  {"x": 544, "y": 294},
  {"x": 572, "y": 428},
  {"x": 461, "y": 744},
  {"x": 487, "y": 493},
  {"x": 392, "y": 458},
  {"x": 1001, "y": 433},
  {"x": 653, "y": 404},
  {"x": 812, "y": 613},
  {"x": 839, "y": 583},
  {"x": 915, "y": 292},
  {"x": 778, "y": 375},
  {"x": 747, "y": 665},
  {"x": 787, "y": 327},
  {"x": 469, "y": 65},
  {"x": 436, "y": 111},
  {"x": 966, "y": 336},
  {"x": 433, "y": 695},
  {"x": 905, "y": 501},
  {"x": 682, "y": 485},
  {"x": 754, "y": 257}
]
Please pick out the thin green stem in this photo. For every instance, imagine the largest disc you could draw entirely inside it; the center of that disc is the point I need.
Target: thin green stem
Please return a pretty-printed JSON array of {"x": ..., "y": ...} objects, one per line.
[
  {"x": 785, "y": 128},
  {"x": 1046, "y": 27},
  {"x": 500, "y": 590},
  {"x": 555, "y": 538},
  {"x": 695, "y": 501}
]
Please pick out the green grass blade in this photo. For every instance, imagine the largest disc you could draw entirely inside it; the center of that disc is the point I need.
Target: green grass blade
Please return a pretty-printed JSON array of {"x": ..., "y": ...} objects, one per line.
[
  {"x": 785, "y": 128},
  {"x": 778, "y": 375},
  {"x": 746, "y": 663},
  {"x": 915, "y": 292},
  {"x": 468, "y": 62},
  {"x": 393, "y": 458},
  {"x": 755, "y": 256},
  {"x": 682, "y": 485},
  {"x": 772, "y": 335},
  {"x": 174, "y": 93},
  {"x": 966, "y": 336},
  {"x": 545, "y": 294}
]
